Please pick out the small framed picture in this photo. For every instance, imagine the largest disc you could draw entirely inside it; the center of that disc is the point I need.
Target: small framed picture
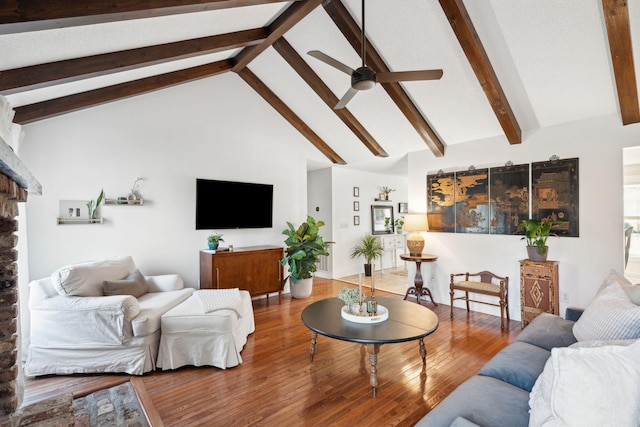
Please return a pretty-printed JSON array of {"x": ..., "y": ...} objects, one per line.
[
  {"x": 403, "y": 208},
  {"x": 356, "y": 191},
  {"x": 356, "y": 206},
  {"x": 356, "y": 220}
]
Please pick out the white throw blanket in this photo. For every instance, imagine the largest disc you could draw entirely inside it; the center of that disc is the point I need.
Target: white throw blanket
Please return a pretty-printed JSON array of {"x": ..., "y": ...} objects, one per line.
[{"x": 219, "y": 299}]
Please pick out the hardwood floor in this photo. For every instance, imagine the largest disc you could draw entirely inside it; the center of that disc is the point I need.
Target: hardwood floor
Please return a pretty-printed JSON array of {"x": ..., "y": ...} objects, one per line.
[{"x": 277, "y": 384}]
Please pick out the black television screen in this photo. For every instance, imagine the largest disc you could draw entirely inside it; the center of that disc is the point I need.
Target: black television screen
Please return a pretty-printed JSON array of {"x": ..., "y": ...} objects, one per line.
[{"x": 227, "y": 204}]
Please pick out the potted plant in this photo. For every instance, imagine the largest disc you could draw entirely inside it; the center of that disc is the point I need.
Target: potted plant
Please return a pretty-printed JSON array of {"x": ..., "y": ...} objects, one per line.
[
  {"x": 304, "y": 247},
  {"x": 387, "y": 224},
  {"x": 399, "y": 225},
  {"x": 214, "y": 240},
  {"x": 387, "y": 191},
  {"x": 370, "y": 248},
  {"x": 536, "y": 233}
]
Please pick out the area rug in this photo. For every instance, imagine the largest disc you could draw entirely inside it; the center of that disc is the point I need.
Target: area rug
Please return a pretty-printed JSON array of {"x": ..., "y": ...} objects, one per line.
[
  {"x": 390, "y": 280},
  {"x": 111, "y": 407}
]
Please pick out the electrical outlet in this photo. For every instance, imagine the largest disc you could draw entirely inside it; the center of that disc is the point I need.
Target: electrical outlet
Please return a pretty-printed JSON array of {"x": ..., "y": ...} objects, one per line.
[{"x": 564, "y": 297}]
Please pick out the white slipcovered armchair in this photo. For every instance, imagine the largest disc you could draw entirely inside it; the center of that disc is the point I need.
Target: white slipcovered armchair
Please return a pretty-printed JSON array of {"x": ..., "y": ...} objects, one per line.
[{"x": 75, "y": 328}]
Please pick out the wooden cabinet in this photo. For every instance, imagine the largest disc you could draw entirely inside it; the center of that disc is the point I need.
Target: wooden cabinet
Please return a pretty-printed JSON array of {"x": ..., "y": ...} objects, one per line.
[
  {"x": 538, "y": 289},
  {"x": 256, "y": 269}
]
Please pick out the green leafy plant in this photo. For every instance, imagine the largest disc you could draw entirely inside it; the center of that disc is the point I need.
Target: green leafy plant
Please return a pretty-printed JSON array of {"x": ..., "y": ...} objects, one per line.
[
  {"x": 92, "y": 206},
  {"x": 349, "y": 295},
  {"x": 304, "y": 247},
  {"x": 215, "y": 238},
  {"x": 369, "y": 248},
  {"x": 536, "y": 232},
  {"x": 399, "y": 222},
  {"x": 387, "y": 223}
]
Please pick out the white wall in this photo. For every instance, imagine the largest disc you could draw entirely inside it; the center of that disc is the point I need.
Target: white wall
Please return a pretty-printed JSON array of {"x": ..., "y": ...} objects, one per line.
[
  {"x": 169, "y": 138},
  {"x": 584, "y": 261}
]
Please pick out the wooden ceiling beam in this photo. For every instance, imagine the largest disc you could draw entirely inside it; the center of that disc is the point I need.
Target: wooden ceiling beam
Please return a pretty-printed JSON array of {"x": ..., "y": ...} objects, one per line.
[
  {"x": 283, "y": 23},
  {"x": 286, "y": 112},
  {"x": 15, "y": 11},
  {"x": 616, "y": 17},
  {"x": 315, "y": 82},
  {"x": 53, "y": 107},
  {"x": 70, "y": 69},
  {"x": 479, "y": 60},
  {"x": 352, "y": 32}
]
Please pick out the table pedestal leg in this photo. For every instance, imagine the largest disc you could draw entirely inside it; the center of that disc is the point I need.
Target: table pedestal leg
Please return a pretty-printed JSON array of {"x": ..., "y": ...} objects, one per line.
[
  {"x": 312, "y": 348},
  {"x": 418, "y": 289},
  {"x": 373, "y": 350},
  {"x": 423, "y": 352}
]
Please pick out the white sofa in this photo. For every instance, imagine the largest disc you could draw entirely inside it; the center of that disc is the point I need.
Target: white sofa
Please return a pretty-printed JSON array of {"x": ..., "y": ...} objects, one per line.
[{"x": 75, "y": 328}]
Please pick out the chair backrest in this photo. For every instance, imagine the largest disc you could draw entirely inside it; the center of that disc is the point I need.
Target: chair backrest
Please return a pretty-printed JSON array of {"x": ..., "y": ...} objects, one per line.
[{"x": 627, "y": 244}]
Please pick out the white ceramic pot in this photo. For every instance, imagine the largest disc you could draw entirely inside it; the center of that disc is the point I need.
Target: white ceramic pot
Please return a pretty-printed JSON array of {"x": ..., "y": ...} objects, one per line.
[{"x": 302, "y": 289}]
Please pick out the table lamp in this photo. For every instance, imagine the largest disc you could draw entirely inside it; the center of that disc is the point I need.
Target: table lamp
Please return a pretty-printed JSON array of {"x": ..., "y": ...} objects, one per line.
[{"x": 415, "y": 223}]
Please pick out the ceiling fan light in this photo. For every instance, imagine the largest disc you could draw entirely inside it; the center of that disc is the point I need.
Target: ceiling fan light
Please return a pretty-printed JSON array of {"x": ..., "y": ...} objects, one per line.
[{"x": 363, "y": 84}]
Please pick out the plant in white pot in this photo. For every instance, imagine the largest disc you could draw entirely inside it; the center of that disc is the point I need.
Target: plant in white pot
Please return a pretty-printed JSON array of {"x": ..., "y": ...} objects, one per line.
[
  {"x": 369, "y": 248},
  {"x": 536, "y": 233},
  {"x": 304, "y": 247}
]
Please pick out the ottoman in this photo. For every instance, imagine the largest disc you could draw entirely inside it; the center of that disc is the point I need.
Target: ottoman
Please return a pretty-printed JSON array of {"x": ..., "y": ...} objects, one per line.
[{"x": 192, "y": 337}]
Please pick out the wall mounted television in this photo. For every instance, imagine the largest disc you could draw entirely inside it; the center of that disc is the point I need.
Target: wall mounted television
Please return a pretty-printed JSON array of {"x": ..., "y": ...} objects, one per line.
[{"x": 229, "y": 205}]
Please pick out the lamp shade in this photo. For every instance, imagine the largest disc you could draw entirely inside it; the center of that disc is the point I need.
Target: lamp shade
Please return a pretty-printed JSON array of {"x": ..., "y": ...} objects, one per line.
[{"x": 416, "y": 222}]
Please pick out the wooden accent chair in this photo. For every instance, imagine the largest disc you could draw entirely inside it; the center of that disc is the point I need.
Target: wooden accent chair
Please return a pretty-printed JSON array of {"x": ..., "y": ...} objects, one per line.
[{"x": 486, "y": 286}]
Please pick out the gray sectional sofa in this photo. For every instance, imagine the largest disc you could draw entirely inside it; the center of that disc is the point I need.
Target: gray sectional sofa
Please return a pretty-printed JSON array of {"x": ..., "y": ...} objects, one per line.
[{"x": 498, "y": 395}]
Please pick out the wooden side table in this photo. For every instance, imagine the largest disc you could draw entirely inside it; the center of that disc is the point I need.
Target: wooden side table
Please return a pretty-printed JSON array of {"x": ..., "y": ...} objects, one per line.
[
  {"x": 418, "y": 289},
  {"x": 538, "y": 289}
]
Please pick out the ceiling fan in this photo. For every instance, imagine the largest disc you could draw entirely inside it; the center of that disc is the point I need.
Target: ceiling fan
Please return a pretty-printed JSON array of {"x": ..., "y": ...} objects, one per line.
[{"x": 365, "y": 78}]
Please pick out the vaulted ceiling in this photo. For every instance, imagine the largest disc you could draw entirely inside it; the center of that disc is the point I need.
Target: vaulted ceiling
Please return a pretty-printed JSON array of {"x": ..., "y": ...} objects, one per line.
[{"x": 509, "y": 67}]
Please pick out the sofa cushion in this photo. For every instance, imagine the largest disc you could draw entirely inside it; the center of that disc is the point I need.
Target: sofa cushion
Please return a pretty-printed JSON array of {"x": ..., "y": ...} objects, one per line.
[
  {"x": 518, "y": 364},
  {"x": 548, "y": 331},
  {"x": 610, "y": 316},
  {"x": 632, "y": 291},
  {"x": 589, "y": 386},
  {"x": 482, "y": 400},
  {"x": 86, "y": 279},
  {"x": 152, "y": 306},
  {"x": 134, "y": 284}
]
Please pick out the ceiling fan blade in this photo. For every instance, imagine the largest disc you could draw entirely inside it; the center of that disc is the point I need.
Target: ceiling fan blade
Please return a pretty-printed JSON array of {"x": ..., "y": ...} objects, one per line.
[
  {"x": 403, "y": 76},
  {"x": 346, "y": 98},
  {"x": 330, "y": 61}
]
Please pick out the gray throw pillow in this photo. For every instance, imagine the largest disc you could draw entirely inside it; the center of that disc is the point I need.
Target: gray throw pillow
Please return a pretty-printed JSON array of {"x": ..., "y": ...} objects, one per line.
[{"x": 134, "y": 284}]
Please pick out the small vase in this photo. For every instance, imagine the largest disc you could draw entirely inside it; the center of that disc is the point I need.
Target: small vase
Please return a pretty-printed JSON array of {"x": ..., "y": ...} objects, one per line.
[
  {"x": 131, "y": 198},
  {"x": 213, "y": 246}
]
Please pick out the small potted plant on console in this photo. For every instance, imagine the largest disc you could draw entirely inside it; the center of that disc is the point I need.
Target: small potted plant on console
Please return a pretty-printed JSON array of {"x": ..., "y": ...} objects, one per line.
[{"x": 214, "y": 240}]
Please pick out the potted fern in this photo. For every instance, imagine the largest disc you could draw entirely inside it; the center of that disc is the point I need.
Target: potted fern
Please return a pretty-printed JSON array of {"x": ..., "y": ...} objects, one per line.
[
  {"x": 369, "y": 248},
  {"x": 536, "y": 233},
  {"x": 304, "y": 247}
]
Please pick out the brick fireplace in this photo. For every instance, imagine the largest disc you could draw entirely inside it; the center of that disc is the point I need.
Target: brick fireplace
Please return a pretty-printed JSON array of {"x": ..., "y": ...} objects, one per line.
[{"x": 16, "y": 182}]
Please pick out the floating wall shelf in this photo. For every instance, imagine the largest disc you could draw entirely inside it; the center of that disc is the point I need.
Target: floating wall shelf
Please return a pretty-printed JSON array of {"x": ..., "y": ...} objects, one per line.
[
  {"x": 138, "y": 202},
  {"x": 80, "y": 221}
]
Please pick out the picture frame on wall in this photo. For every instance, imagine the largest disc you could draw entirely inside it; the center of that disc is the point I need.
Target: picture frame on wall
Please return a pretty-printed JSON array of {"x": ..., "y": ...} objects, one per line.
[
  {"x": 356, "y": 206},
  {"x": 356, "y": 220},
  {"x": 403, "y": 208},
  {"x": 356, "y": 191}
]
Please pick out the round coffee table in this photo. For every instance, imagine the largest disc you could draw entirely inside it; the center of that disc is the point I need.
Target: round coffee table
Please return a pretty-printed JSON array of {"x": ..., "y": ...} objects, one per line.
[{"x": 407, "y": 322}]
